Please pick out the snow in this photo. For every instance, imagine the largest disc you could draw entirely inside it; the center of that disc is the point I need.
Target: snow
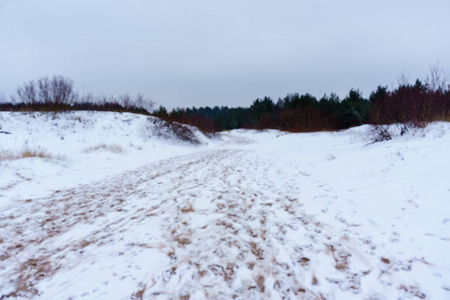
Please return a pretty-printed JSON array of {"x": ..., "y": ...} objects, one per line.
[
  {"x": 122, "y": 208},
  {"x": 71, "y": 139}
]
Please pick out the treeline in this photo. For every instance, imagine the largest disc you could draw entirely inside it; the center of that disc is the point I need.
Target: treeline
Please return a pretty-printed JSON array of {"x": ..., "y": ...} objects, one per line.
[
  {"x": 295, "y": 113},
  {"x": 413, "y": 105}
]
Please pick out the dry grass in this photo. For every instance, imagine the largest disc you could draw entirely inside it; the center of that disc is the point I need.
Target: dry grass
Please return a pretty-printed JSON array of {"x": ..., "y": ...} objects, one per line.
[
  {"x": 104, "y": 147},
  {"x": 187, "y": 209},
  {"x": 28, "y": 153},
  {"x": 443, "y": 117}
]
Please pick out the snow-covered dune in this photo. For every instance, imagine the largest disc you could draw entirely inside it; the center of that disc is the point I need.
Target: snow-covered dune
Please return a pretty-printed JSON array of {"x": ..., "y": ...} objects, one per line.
[
  {"x": 80, "y": 147},
  {"x": 120, "y": 207}
]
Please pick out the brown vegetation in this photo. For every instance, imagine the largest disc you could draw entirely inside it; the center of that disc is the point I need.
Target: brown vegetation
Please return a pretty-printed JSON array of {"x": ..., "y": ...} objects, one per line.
[
  {"x": 28, "y": 153},
  {"x": 104, "y": 147}
]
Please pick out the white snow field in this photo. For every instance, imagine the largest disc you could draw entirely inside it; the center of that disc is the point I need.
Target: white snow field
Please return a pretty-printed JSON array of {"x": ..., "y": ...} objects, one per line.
[{"x": 118, "y": 207}]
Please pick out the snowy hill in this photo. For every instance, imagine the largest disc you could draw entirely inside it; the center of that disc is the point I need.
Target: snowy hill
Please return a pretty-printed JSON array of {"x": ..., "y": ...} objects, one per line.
[
  {"x": 120, "y": 206},
  {"x": 79, "y": 147}
]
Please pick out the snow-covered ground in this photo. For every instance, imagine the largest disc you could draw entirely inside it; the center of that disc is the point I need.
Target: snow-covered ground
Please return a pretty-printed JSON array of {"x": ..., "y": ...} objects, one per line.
[{"x": 119, "y": 207}]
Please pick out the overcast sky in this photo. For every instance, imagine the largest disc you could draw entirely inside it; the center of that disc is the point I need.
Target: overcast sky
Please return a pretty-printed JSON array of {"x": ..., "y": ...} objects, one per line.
[{"x": 206, "y": 52}]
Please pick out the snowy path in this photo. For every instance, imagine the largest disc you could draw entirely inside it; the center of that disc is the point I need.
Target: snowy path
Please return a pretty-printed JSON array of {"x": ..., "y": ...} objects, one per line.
[{"x": 218, "y": 224}]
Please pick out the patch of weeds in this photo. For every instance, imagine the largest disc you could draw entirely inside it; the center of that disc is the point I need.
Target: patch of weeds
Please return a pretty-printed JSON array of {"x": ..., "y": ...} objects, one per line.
[
  {"x": 104, "y": 147},
  {"x": 28, "y": 153}
]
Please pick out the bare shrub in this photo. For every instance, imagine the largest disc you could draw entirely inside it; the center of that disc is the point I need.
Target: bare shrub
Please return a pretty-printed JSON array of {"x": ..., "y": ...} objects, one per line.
[
  {"x": 125, "y": 101},
  {"x": 61, "y": 90},
  {"x": 57, "y": 90},
  {"x": 144, "y": 103},
  {"x": 184, "y": 132},
  {"x": 44, "y": 87},
  {"x": 2, "y": 98},
  {"x": 379, "y": 133},
  {"x": 168, "y": 130},
  {"x": 139, "y": 103},
  {"x": 437, "y": 79},
  {"x": 27, "y": 93}
]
